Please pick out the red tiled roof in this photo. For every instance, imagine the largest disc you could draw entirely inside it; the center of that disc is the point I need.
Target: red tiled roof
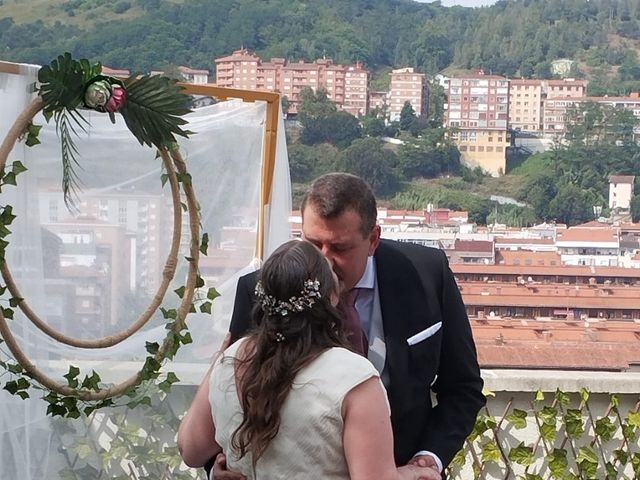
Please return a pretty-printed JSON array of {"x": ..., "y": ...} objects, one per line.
[
  {"x": 473, "y": 246},
  {"x": 563, "y": 270},
  {"x": 527, "y": 257},
  {"x": 571, "y": 356},
  {"x": 602, "y": 345},
  {"x": 523, "y": 241},
  {"x": 621, "y": 179},
  {"x": 577, "y": 234},
  {"x": 534, "y": 294}
]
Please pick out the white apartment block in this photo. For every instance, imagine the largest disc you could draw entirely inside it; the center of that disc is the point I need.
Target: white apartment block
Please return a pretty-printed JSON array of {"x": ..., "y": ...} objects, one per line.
[
  {"x": 407, "y": 86},
  {"x": 620, "y": 191}
]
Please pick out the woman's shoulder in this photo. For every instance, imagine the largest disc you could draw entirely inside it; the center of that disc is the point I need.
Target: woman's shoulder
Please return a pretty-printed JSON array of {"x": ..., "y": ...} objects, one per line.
[{"x": 340, "y": 368}]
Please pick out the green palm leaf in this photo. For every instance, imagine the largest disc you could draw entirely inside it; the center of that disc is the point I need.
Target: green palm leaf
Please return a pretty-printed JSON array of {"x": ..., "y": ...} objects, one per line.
[{"x": 154, "y": 108}]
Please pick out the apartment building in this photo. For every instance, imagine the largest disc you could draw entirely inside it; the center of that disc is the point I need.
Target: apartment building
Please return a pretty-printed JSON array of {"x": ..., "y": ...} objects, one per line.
[
  {"x": 527, "y": 100},
  {"x": 478, "y": 106},
  {"x": 621, "y": 191},
  {"x": 194, "y": 75},
  {"x": 555, "y": 109},
  {"x": 346, "y": 85},
  {"x": 407, "y": 85}
]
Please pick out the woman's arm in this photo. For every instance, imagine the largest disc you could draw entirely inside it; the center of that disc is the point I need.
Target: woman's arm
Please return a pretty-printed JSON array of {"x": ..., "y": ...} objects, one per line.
[
  {"x": 197, "y": 433},
  {"x": 368, "y": 438}
]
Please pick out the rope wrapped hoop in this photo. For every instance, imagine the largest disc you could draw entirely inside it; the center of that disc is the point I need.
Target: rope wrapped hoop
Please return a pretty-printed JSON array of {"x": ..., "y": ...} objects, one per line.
[{"x": 152, "y": 108}]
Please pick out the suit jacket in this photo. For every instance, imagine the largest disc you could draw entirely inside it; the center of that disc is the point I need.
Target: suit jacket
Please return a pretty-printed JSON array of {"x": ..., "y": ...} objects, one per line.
[{"x": 417, "y": 290}]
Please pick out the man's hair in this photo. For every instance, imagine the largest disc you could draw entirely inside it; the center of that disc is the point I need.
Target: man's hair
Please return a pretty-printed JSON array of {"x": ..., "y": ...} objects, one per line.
[
  {"x": 284, "y": 344},
  {"x": 334, "y": 193}
]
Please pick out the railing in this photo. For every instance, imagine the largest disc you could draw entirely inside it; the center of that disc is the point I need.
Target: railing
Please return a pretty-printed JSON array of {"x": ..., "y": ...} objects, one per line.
[{"x": 537, "y": 425}]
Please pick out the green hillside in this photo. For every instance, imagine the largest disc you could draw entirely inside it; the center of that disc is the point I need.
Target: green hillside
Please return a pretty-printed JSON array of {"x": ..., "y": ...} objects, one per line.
[{"x": 512, "y": 37}]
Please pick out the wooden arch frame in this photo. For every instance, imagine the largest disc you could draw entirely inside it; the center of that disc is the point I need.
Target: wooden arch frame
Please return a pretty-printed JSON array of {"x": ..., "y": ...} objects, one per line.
[{"x": 272, "y": 100}]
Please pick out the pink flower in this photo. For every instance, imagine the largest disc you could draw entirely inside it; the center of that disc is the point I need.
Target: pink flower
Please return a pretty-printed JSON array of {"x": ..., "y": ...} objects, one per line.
[{"x": 117, "y": 99}]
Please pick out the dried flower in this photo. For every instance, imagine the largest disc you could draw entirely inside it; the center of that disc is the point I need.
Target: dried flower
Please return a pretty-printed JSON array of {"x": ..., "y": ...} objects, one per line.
[
  {"x": 97, "y": 95},
  {"x": 117, "y": 99}
]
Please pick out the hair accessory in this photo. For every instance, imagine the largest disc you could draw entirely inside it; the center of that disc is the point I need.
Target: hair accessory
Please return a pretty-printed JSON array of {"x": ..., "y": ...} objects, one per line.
[
  {"x": 305, "y": 299},
  {"x": 280, "y": 337}
]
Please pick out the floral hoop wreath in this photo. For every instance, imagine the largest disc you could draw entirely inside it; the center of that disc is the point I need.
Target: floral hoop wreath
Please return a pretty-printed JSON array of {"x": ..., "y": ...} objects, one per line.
[{"x": 152, "y": 107}]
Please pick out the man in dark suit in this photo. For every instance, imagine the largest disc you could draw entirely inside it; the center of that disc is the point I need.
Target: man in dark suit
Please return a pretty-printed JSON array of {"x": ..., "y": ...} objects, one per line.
[{"x": 411, "y": 313}]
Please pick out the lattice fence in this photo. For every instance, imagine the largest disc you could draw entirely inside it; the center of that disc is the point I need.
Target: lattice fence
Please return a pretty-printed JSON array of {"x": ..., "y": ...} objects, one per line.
[{"x": 553, "y": 436}]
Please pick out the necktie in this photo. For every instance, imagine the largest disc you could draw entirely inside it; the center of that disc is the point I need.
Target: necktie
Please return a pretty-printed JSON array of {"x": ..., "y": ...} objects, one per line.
[{"x": 352, "y": 325}]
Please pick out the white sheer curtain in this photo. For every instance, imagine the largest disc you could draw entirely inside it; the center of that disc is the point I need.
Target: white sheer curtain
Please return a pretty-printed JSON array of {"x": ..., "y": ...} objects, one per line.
[{"x": 91, "y": 274}]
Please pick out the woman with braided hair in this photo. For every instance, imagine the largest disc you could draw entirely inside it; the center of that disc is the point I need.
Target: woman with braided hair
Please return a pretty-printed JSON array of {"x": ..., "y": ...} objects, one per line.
[{"x": 292, "y": 400}]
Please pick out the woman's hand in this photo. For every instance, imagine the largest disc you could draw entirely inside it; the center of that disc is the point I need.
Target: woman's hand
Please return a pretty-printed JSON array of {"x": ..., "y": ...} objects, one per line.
[{"x": 413, "y": 472}]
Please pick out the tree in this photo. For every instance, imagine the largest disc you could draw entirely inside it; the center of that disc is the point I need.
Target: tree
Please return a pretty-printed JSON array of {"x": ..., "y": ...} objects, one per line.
[
  {"x": 407, "y": 116},
  {"x": 571, "y": 205},
  {"x": 285, "y": 104},
  {"x": 538, "y": 192},
  {"x": 368, "y": 159},
  {"x": 635, "y": 208},
  {"x": 373, "y": 125},
  {"x": 314, "y": 105}
]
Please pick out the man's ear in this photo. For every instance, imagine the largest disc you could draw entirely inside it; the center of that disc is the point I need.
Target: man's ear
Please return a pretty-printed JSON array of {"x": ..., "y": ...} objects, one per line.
[{"x": 374, "y": 239}]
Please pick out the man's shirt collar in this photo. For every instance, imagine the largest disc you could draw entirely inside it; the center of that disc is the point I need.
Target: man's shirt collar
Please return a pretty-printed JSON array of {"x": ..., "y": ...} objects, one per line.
[{"x": 368, "y": 278}]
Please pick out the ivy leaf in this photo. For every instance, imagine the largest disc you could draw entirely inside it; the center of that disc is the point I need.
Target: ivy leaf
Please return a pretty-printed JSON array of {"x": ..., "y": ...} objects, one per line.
[
  {"x": 11, "y": 387},
  {"x": 584, "y": 394},
  {"x": 170, "y": 313},
  {"x": 206, "y": 307},
  {"x": 490, "y": 451},
  {"x": 562, "y": 397},
  {"x": 460, "y": 459},
  {"x": 152, "y": 348},
  {"x": 7, "y": 217},
  {"x": 539, "y": 396},
  {"x": 573, "y": 423},
  {"x": 212, "y": 294},
  {"x": 186, "y": 339},
  {"x": 587, "y": 454},
  {"x": 199, "y": 282},
  {"x": 518, "y": 418},
  {"x": 15, "y": 301},
  {"x": 549, "y": 415},
  {"x": 32, "y": 135},
  {"x": 621, "y": 455},
  {"x": 91, "y": 382},
  {"x": 611, "y": 470},
  {"x": 558, "y": 462},
  {"x": 204, "y": 244},
  {"x": 72, "y": 376},
  {"x": 634, "y": 419},
  {"x": 18, "y": 167},
  {"x": 9, "y": 179},
  {"x": 184, "y": 178},
  {"x": 605, "y": 428},
  {"x": 521, "y": 454},
  {"x": 588, "y": 461},
  {"x": 82, "y": 449},
  {"x": 180, "y": 291}
]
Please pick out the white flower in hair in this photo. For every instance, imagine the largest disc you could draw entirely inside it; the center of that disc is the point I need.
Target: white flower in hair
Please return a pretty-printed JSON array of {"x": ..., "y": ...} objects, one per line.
[{"x": 303, "y": 301}]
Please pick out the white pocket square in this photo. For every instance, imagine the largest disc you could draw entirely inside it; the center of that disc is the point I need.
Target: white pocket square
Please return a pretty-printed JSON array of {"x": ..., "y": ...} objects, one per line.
[{"x": 424, "y": 334}]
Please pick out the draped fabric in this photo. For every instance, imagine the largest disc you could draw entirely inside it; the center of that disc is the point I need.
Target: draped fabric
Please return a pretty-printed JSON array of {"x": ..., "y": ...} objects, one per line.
[{"x": 90, "y": 273}]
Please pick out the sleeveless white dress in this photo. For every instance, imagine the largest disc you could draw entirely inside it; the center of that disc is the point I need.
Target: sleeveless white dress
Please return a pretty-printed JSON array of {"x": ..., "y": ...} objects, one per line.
[{"x": 309, "y": 443}]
